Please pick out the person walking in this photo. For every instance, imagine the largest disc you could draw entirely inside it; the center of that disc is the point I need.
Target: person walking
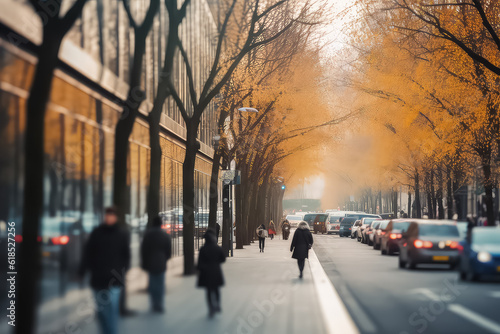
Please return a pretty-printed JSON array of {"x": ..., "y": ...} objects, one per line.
[
  {"x": 210, "y": 274},
  {"x": 156, "y": 249},
  {"x": 272, "y": 230},
  {"x": 107, "y": 256},
  {"x": 285, "y": 229},
  {"x": 262, "y": 234},
  {"x": 301, "y": 243}
]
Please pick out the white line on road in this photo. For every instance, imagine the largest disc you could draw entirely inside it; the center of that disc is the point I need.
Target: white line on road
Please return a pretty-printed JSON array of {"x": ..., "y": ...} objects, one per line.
[
  {"x": 428, "y": 293},
  {"x": 495, "y": 294},
  {"x": 337, "y": 318},
  {"x": 476, "y": 318}
]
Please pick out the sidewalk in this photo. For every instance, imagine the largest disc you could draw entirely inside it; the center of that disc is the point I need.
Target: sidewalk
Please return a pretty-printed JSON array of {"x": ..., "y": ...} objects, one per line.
[{"x": 262, "y": 295}]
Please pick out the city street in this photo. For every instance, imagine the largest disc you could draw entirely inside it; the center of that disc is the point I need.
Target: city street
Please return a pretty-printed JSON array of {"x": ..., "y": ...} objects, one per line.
[{"x": 385, "y": 299}]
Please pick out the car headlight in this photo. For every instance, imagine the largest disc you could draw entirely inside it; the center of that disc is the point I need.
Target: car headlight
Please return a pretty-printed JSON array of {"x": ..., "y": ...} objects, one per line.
[{"x": 484, "y": 257}]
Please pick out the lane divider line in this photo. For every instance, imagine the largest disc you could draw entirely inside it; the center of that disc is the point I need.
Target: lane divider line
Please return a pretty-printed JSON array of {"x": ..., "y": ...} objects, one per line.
[
  {"x": 474, "y": 317},
  {"x": 335, "y": 315}
]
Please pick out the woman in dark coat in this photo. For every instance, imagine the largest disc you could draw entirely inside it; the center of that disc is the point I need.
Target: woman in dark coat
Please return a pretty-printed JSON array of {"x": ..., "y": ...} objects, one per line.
[
  {"x": 210, "y": 272},
  {"x": 301, "y": 242}
]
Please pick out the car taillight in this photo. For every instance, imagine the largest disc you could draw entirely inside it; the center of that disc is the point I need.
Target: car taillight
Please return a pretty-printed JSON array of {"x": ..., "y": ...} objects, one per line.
[
  {"x": 349, "y": 228},
  {"x": 454, "y": 244},
  {"x": 395, "y": 236},
  {"x": 422, "y": 244},
  {"x": 62, "y": 240},
  {"x": 18, "y": 238},
  {"x": 460, "y": 248}
]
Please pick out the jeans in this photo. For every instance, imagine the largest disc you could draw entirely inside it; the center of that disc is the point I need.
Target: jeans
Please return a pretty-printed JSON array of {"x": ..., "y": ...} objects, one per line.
[
  {"x": 156, "y": 290},
  {"x": 301, "y": 263},
  {"x": 262, "y": 242},
  {"x": 213, "y": 298},
  {"x": 108, "y": 309}
]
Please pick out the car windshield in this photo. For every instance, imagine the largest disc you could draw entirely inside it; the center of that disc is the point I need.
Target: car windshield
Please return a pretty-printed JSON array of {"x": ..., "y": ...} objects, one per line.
[
  {"x": 438, "y": 230},
  {"x": 486, "y": 237},
  {"x": 348, "y": 221},
  {"x": 375, "y": 225},
  {"x": 384, "y": 224},
  {"x": 402, "y": 226},
  {"x": 368, "y": 221},
  {"x": 293, "y": 218},
  {"x": 334, "y": 219}
]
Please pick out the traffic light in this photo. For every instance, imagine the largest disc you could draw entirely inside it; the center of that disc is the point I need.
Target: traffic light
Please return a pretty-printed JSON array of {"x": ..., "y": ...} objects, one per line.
[{"x": 283, "y": 187}]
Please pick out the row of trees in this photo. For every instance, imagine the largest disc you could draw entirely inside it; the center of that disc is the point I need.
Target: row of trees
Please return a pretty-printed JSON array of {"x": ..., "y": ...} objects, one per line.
[
  {"x": 426, "y": 74},
  {"x": 257, "y": 44}
]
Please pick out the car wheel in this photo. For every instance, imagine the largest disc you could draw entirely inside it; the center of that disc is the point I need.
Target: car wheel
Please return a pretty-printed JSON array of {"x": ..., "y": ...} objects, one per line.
[
  {"x": 370, "y": 243},
  {"x": 411, "y": 265},
  {"x": 471, "y": 276},
  {"x": 383, "y": 251},
  {"x": 340, "y": 235},
  {"x": 463, "y": 275},
  {"x": 389, "y": 250},
  {"x": 402, "y": 264},
  {"x": 376, "y": 246}
]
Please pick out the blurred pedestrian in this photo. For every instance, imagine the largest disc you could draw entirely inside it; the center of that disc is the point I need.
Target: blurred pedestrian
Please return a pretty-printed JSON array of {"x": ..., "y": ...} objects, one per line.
[
  {"x": 301, "y": 243},
  {"x": 156, "y": 249},
  {"x": 262, "y": 234},
  {"x": 210, "y": 274},
  {"x": 107, "y": 256},
  {"x": 217, "y": 231},
  {"x": 272, "y": 230},
  {"x": 285, "y": 229}
]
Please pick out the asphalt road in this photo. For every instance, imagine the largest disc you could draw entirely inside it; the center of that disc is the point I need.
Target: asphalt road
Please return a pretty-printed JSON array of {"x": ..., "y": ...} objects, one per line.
[{"x": 382, "y": 298}]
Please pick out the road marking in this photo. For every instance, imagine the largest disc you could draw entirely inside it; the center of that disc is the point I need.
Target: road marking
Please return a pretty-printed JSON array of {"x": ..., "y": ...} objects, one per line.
[
  {"x": 335, "y": 315},
  {"x": 476, "y": 318},
  {"x": 428, "y": 293},
  {"x": 495, "y": 294}
]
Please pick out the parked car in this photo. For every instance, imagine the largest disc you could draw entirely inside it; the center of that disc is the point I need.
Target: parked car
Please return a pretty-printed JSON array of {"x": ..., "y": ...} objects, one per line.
[
  {"x": 355, "y": 228},
  {"x": 294, "y": 220},
  {"x": 365, "y": 222},
  {"x": 389, "y": 243},
  {"x": 480, "y": 254},
  {"x": 429, "y": 241},
  {"x": 370, "y": 231},
  {"x": 346, "y": 226},
  {"x": 316, "y": 221},
  {"x": 390, "y": 215},
  {"x": 379, "y": 232}
]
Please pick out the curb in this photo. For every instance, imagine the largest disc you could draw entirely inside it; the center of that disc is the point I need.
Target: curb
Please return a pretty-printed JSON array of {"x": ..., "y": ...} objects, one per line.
[{"x": 335, "y": 315}]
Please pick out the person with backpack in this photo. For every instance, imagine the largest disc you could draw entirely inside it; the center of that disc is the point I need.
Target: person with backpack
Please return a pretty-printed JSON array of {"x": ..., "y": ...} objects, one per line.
[
  {"x": 301, "y": 243},
  {"x": 262, "y": 234}
]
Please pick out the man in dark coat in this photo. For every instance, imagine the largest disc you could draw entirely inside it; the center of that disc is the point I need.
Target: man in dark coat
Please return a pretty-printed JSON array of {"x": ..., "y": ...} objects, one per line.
[
  {"x": 210, "y": 272},
  {"x": 301, "y": 242},
  {"x": 156, "y": 249},
  {"x": 107, "y": 256}
]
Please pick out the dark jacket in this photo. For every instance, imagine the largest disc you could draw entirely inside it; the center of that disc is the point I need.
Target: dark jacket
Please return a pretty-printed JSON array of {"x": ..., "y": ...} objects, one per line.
[
  {"x": 107, "y": 256},
  {"x": 302, "y": 238},
  {"x": 156, "y": 249},
  {"x": 209, "y": 260}
]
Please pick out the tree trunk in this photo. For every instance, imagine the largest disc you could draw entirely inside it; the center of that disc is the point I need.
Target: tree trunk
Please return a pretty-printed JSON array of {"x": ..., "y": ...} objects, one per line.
[
  {"x": 124, "y": 128},
  {"x": 188, "y": 168},
  {"x": 418, "y": 209},
  {"x": 488, "y": 189},
  {"x": 153, "y": 199},
  {"x": 409, "y": 204},
  {"x": 214, "y": 190},
  {"x": 449, "y": 193},
  {"x": 29, "y": 257},
  {"x": 439, "y": 196}
]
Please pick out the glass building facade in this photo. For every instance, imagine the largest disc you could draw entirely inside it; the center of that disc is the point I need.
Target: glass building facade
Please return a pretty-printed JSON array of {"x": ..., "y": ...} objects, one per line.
[{"x": 84, "y": 107}]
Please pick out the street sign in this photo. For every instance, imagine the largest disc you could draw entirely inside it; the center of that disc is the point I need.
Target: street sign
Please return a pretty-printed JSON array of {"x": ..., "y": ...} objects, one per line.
[{"x": 228, "y": 175}]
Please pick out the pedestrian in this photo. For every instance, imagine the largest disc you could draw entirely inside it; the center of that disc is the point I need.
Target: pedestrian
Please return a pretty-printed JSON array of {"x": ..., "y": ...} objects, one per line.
[
  {"x": 210, "y": 274},
  {"x": 285, "y": 229},
  {"x": 156, "y": 249},
  {"x": 217, "y": 231},
  {"x": 272, "y": 230},
  {"x": 262, "y": 234},
  {"x": 107, "y": 256},
  {"x": 301, "y": 243}
]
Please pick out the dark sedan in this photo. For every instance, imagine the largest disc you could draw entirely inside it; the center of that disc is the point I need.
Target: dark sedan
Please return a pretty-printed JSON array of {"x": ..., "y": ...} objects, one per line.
[
  {"x": 480, "y": 254},
  {"x": 389, "y": 243},
  {"x": 429, "y": 241},
  {"x": 346, "y": 226}
]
